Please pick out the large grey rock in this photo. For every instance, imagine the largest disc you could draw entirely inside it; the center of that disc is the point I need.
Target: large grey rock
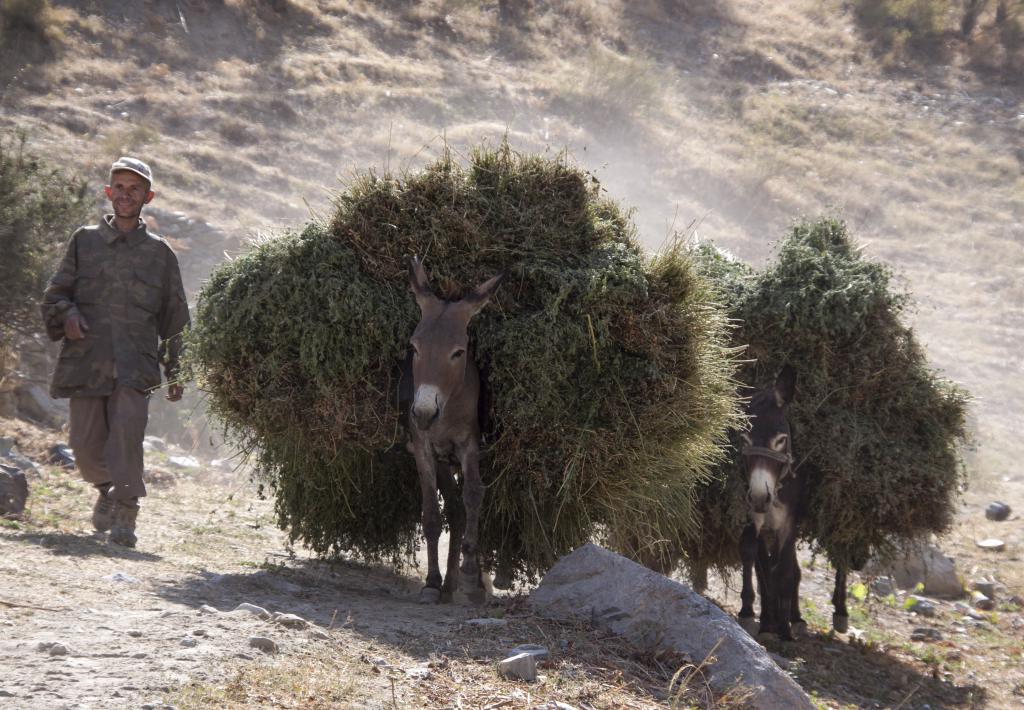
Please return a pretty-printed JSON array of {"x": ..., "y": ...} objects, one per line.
[
  {"x": 659, "y": 614},
  {"x": 922, "y": 564},
  {"x": 35, "y": 402}
]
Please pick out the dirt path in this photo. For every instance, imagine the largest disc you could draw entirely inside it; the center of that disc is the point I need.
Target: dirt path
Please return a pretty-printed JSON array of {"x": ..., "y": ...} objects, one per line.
[{"x": 158, "y": 626}]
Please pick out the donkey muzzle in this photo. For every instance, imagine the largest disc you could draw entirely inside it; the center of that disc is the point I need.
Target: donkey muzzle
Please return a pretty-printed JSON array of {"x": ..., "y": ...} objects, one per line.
[{"x": 426, "y": 408}]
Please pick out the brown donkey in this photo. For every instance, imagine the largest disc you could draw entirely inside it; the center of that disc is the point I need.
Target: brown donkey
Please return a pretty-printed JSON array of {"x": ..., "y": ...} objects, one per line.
[{"x": 445, "y": 429}]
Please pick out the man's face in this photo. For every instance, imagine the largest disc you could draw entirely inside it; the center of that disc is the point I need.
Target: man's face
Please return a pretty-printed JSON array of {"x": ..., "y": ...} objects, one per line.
[{"x": 127, "y": 193}]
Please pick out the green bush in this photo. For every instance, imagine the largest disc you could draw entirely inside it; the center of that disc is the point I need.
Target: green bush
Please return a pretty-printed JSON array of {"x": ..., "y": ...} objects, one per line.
[
  {"x": 608, "y": 386},
  {"x": 40, "y": 205},
  {"x": 877, "y": 434},
  {"x": 904, "y": 24}
]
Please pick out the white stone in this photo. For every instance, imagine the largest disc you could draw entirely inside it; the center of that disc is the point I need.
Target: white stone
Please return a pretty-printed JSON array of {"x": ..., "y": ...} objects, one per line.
[
  {"x": 922, "y": 564},
  {"x": 522, "y": 666},
  {"x": 248, "y": 608},
  {"x": 290, "y": 621},
  {"x": 658, "y": 614}
]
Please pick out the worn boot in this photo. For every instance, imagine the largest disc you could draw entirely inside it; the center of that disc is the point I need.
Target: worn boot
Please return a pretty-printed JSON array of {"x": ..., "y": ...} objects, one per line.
[
  {"x": 122, "y": 532},
  {"x": 102, "y": 509}
]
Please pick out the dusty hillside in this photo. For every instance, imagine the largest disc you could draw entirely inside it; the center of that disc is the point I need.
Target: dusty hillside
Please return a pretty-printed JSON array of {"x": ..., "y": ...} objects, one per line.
[
  {"x": 732, "y": 116},
  {"x": 738, "y": 116}
]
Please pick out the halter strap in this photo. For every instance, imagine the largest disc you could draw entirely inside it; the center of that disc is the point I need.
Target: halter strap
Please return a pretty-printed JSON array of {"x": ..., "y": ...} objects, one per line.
[{"x": 780, "y": 456}]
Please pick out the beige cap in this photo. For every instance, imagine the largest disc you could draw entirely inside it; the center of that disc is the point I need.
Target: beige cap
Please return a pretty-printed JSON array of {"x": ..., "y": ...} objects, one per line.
[{"x": 134, "y": 165}]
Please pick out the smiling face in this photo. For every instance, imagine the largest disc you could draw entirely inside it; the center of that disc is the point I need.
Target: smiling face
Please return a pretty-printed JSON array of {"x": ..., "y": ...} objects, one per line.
[{"x": 127, "y": 193}]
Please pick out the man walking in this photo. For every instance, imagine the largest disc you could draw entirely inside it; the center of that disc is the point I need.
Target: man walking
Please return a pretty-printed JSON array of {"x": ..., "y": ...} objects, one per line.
[{"x": 118, "y": 303}]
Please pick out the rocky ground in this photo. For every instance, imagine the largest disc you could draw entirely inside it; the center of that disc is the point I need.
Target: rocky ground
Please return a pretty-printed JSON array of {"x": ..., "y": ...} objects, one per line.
[{"x": 215, "y": 610}]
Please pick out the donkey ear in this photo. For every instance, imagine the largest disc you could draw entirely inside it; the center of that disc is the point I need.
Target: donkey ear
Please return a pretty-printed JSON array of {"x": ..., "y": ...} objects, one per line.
[
  {"x": 419, "y": 284},
  {"x": 479, "y": 297},
  {"x": 785, "y": 385}
]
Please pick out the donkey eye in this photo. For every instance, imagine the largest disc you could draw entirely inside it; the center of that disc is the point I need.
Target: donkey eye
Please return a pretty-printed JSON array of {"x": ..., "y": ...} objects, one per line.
[
  {"x": 779, "y": 442},
  {"x": 458, "y": 353}
]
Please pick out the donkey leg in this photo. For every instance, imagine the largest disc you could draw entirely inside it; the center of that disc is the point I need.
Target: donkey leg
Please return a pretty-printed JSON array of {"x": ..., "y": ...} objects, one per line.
[
  {"x": 456, "y": 516},
  {"x": 796, "y": 621},
  {"x": 431, "y": 519},
  {"x": 470, "y": 582},
  {"x": 840, "y": 619},
  {"x": 748, "y": 553},
  {"x": 786, "y": 576}
]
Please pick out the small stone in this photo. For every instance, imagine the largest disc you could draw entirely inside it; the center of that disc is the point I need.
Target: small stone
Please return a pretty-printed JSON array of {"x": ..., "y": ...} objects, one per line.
[
  {"x": 991, "y": 544},
  {"x": 485, "y": 622},
  {"x": 189, "y": 642},
  {"x": 58, "y": 649},
  {"x": 140, "y": 654},
  {"x": 418, "y": 673},
  {"x": 982, "y": 601},
  {"x": 190, "y": 462},
  {"x": 922, "y": 606},
  {"x": 262, "y": 643},
  {"x": 985, "y": 587},
  {"x": 883, "y": 586},
  {"x": 291, "y": 621},
  {"x": 135, "y": 633},
  {"x": 954, "y": 656},
  {"x": 539, "y": 652},
  {"x": 121, "y": 577},
  {"x": 45, "y": 645},
  {"x": 318, "y": 633},
  {"x": 997, "y": 511},
  {"x": 253, "y": 609},
  {"x": 207, "y": 609},
  {"x": 6, "y": 694},
  {"x": 199, "y": 632},
  {"x": 926, "y": 634},
  {"x": 522, "y": 666}
]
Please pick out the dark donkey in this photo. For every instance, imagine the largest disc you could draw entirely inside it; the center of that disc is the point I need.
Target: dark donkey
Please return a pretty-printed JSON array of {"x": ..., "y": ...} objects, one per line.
[
  {"x": 774, "y": 491},
  {"x": 444, "y": 429}
]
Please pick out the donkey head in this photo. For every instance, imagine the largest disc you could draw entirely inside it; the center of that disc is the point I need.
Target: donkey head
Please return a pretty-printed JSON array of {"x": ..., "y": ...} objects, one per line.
[
  {"x": 440, "y": 343},
  {"x": 766, "y": 446}
]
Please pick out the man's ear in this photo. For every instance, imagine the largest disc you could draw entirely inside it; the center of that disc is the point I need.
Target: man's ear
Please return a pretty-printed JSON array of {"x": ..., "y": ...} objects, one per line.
[{"x": 149, "y": 197}]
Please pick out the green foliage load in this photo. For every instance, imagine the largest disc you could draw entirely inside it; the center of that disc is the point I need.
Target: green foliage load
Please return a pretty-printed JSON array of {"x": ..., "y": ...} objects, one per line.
[
  {"x": 876, "y": 433},
  {"x": 40, "y": 206},
  {"x": 608, "y": 384}
]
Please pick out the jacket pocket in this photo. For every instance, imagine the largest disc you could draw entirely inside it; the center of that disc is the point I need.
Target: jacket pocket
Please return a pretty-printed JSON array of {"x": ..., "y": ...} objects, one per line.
[
  {"x": 90, "y": 285},
  {"x": 147, "y": 290}
]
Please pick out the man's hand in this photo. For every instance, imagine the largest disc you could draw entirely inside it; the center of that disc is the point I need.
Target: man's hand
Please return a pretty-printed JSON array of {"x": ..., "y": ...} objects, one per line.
[
  {"x": 174, "y": 393},
  {"x": 75, "y": 327}
]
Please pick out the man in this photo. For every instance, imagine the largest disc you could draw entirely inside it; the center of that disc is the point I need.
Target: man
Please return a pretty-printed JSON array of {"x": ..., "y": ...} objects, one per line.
[{"x": 118, "y": 304}]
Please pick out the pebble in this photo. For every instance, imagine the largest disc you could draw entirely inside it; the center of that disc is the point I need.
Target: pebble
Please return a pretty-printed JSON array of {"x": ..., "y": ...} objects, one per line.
[
  {"x": 121, "y": 577},
  {"x": 418, "y": 673},
  {"x": 58, "y": 649},
  {"x": 184, "y": 461},
  {"x": 997, "y": 511},
  {"x": 992, "y": 544},
  {"x": 986, "y": 588},
  {"x": 982, "y": 602},
  {"x": 319, "y": 633},
  {"x": 134, "y": 633},
  {"x": 253, "y": 609},
  {"x": 522, "y": 666},
  {"x": 485, "y": 622},
  {"x": 207, "y": 609},
  {"x": 922, "y": 606},
  {"x": 291, "y": 621},
  {"x": 189, "y": 642},
  {"x": 262, "y": 643},
  {"x": 140, "y": 654},
  {"x": 925, "y": 634},
  {"x": 539, "y": 652},
  {"x": 883, "y": 586},
  {"x": 6, "y": 694},
  {"x": 199, "y": 632}
]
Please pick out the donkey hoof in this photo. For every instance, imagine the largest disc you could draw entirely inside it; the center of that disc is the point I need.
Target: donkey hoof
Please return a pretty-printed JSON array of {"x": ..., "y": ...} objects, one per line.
[
  {"x": 840, "y": 623},
  {"x": 799, "y": 628},
  {"x": 430, "y": 595},
  {"x": 749, "y": 625}
]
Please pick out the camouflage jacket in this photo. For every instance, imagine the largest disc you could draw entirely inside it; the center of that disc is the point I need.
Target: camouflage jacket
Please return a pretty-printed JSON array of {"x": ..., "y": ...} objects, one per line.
[{"x": 128, "y": 288}]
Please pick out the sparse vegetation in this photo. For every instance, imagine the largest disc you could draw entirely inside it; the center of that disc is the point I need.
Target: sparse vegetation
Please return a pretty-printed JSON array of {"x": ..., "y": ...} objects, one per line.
[{"x": 40, "y": 205}]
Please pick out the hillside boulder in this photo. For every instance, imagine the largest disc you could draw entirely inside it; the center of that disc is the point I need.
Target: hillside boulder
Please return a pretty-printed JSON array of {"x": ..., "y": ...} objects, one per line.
[{"x": 659, "y": 614}]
